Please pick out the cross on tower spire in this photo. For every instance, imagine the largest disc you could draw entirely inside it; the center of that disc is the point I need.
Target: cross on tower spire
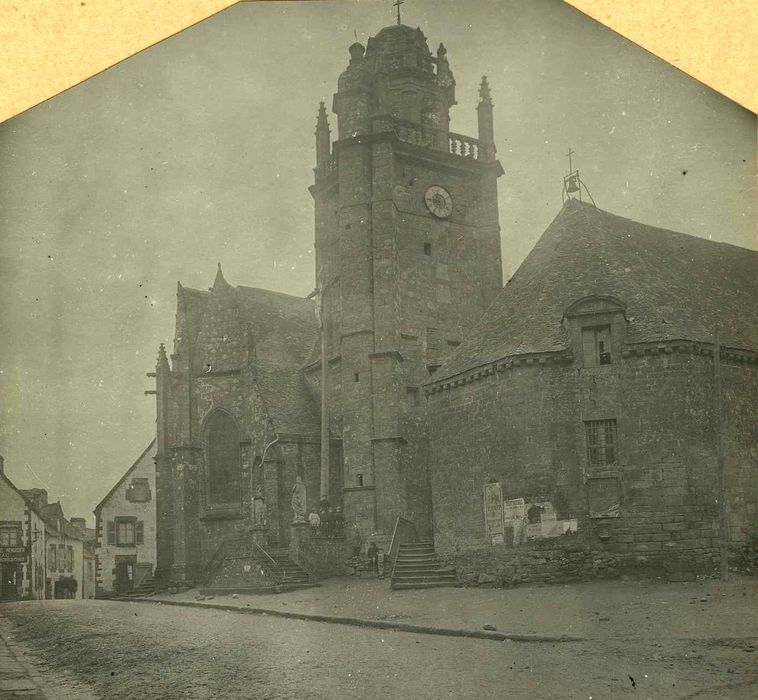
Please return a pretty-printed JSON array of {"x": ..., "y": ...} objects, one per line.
[
  {"x": 569, "y": 154},
  {"x": 397, "y": 4}
]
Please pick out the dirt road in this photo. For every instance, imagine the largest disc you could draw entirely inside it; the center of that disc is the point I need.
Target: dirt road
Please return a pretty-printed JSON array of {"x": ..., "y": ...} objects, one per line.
[{"x": 124, "y": 650}]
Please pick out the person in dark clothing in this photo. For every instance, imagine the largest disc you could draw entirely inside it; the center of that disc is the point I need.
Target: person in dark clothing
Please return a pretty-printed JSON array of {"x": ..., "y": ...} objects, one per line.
[
  {"x": 339, "y": 522},
  {"x": 373, "y": 559},
  {"x": 329, "y": 522}
]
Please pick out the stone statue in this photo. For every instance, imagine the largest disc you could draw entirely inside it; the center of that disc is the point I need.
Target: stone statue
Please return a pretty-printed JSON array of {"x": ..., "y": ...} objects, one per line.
[
  {"x": 298, "y": 500},
  {"x": 259, "y": 508}
]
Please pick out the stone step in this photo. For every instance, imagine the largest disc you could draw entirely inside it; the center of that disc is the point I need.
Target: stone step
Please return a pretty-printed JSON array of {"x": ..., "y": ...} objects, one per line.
[
  {"x": 412, "y": 545},
  {"x": 425, "y": 576},
  {"x": 417, "y": 559},
  {"x": 421, "y": 569},
  {"x": 429, "y": 584},
  {"x": 275, "y": 588}
]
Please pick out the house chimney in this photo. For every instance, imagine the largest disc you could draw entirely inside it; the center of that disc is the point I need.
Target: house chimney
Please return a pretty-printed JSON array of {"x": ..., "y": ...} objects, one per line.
[{"x": 37, "y": 496}]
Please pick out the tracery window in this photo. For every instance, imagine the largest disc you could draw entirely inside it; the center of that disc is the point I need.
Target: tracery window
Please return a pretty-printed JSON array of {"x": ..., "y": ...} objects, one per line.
[{"x": 223, "y": 462}]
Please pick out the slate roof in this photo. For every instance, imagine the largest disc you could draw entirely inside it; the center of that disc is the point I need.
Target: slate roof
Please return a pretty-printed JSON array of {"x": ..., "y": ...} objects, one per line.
[
  {"x": 291, "y": 404},
  {"x": 283, "y": 327},
  {"x": 194, "y": 303},
  {"x": 674, "y": 286},
  {"x": 52, "y": 514}
]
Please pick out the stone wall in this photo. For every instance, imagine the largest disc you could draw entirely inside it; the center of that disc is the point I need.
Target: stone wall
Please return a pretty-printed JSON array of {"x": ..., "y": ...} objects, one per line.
[
  {"x": 569, "y": 559},
  {"x": 323, "y": 557},
  {"x": 525, "y": 428}
]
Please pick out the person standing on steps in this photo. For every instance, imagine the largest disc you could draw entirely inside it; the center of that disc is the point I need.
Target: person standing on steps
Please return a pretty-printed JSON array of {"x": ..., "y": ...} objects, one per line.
[{"x": 315, "y": 523}]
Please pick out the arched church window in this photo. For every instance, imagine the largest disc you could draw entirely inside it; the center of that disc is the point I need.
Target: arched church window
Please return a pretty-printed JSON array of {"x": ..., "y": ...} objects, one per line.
[{"x": 223, "y": 462}]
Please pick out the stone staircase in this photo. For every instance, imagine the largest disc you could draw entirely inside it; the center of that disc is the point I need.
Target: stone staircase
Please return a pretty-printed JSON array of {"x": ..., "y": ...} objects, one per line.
[
  {"x": 417, "y": 566},
  {"x": 240, "y": 566},
  {"x": 146, "y": 587},
  {"x": 288, "y": 571}
]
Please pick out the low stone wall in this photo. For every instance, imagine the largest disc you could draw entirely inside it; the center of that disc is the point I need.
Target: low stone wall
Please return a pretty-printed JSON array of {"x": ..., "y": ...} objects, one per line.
[
  {"x": 322, "y": 557},
  {"x": 241, "y": 572},
  {"x": 568, "y": 559}
]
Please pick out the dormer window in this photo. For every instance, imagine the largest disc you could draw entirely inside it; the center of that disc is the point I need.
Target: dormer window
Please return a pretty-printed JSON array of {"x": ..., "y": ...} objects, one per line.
[
  {"x": 596, "y": 346},
  {"x": 597, "y": 328}
]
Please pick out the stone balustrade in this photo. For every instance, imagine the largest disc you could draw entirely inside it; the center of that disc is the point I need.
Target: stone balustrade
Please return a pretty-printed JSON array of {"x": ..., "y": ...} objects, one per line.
[{"x": 426, "y": 136}]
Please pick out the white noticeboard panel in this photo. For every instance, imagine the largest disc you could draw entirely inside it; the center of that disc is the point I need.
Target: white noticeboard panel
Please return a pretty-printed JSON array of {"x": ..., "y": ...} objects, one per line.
[{"x": 493, "y": 512}]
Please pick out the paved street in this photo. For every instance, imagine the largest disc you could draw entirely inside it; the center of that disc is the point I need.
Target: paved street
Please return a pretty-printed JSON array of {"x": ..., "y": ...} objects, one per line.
[{"x": 133, "y": 650}]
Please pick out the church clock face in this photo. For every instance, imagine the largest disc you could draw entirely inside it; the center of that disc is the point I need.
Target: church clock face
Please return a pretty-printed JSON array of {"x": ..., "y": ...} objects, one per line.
[{"x": 439, "y": 201}]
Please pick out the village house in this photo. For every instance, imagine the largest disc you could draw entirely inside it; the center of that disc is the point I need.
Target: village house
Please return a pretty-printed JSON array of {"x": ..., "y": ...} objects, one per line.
[
  {"x": 22, "y": 544},
  {"x": 66, "y": 572},
  {"x": 42, "y": 554},
  {"x": 125, "y": 536}
]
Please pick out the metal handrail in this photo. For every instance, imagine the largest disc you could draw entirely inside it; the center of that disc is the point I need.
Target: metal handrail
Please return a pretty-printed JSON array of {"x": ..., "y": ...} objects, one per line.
[
  {"x": 280, "y": 577},
  {"x": 396, "y": 537}
]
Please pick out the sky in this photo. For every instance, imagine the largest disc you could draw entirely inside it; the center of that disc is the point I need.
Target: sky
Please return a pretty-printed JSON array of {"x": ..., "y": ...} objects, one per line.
[{"x": 200, "y": 150}]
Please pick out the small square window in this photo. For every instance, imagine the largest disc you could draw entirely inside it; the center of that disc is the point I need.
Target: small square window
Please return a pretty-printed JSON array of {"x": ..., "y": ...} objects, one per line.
[
  {"x": 138, "y": 491},
  {"x": 601, "y": 443},
  {"x": 453, "y": 343},
  {"x": 427, "y": 248},
  {"x": 414, "y": 395},
  {"x": 596, "y": 346},
  {"x": 359, "y": 479},
  {"x": 356, "y": 377}
]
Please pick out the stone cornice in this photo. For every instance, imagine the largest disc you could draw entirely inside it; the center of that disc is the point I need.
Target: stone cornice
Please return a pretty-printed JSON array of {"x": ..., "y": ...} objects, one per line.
[
  {"x": 218, "y": 373},
  {"x": 686, "y": 347},
  {"x": 386, "y": 353},
  {"x": 303, "y": 438},
  {"x": 390, "y": 438}
]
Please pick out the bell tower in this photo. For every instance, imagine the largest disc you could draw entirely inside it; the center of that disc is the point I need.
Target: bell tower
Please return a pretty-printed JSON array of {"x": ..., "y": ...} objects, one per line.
[{"x": 407, "y": 257}]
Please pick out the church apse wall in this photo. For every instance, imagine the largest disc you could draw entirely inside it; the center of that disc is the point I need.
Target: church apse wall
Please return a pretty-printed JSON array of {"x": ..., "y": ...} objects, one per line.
[{"x": 526, "y": 426}]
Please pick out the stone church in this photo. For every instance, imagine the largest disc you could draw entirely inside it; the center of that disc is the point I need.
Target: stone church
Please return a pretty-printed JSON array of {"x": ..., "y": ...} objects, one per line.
[{"x": 375, "y": 392}]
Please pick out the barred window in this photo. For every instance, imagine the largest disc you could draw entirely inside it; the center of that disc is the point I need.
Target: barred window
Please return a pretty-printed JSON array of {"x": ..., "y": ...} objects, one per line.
[{"x": 601, "y": 442}]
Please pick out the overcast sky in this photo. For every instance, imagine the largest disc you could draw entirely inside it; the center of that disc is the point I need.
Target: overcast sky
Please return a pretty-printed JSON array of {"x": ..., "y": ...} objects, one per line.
[{"x": 200, "y": 149}]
